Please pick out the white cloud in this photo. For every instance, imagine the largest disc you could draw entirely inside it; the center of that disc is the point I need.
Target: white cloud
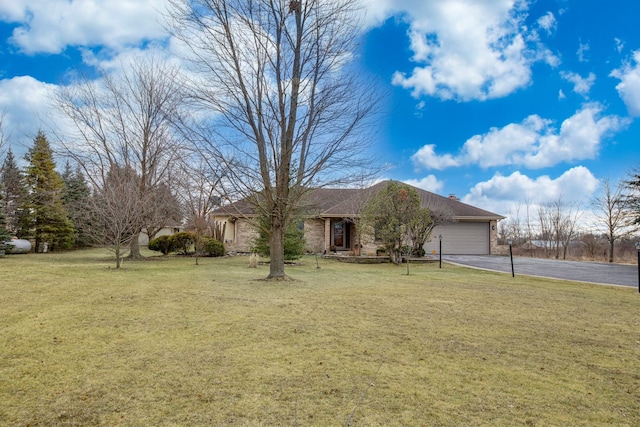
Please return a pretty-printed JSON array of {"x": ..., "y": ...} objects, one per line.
[
  {"x": 467, "y": 50},
  {"x": 500, "y": 193},
  {"x": 548, "y": 22},
  {"x": 49, "y": 26},
  {"x": 629, "y": 86},
  {"x": 26, "y": 102},
  {"x": 427, "y": 157},
  {"x": 429, "y": 183},
  {"x": 581, "y": 85},
  {"x": 583, "y": 50},
  {"x": 533, "y": 143}
]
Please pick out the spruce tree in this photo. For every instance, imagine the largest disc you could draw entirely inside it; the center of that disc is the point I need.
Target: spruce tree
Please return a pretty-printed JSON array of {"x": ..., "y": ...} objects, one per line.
[
  {"x": 4, "y": 234},
  {"x": 13, "y": 191},
  {"x": 45, "y": 217},
  {"x": 75, "y": 198}
]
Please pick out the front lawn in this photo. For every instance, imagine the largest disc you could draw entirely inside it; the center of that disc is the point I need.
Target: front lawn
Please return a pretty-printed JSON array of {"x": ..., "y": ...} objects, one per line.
[{"x": 167, "y": 342}]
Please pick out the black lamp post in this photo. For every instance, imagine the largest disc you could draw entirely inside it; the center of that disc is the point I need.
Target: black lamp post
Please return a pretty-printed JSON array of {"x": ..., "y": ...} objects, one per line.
[
  {"x": 638, "y": 250},
  {"x": 513, "y": 274},
  {"x": 440, "y": 251}
]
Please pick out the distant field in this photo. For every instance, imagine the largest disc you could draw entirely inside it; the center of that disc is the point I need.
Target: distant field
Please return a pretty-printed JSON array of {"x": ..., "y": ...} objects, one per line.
[{"x": 165, "y": 342}]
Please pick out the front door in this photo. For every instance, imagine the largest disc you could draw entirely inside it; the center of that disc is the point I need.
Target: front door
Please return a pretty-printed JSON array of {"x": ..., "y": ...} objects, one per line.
[{"x": 340, "y": 235}]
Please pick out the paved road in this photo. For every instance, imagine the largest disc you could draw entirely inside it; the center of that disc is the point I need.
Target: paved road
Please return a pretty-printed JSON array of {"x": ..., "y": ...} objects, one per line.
[{"x": 592, "y": 272}]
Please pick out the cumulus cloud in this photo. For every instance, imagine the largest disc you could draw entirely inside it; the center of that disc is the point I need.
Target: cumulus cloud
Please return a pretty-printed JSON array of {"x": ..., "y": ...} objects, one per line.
[
  {"x": 429, "y": 183},
  {"x": 500, "y": 192},
  {"x": 427, "y": 157},
  {"x": 533, "y": 143},
  {"x": 581, "y": 85},
  {"x": 26, "y": 102},
  {"x": 467, "y": 50},
  {"x": 629, "y": 86},
  {"x": 49, "y": 26}
]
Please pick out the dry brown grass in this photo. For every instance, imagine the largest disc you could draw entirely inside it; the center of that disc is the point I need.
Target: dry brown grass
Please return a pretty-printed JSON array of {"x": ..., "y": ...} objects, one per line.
[{"x": 171, "y": 343}]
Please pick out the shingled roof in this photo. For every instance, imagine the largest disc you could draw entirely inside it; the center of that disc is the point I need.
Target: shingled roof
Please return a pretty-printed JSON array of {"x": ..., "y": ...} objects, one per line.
[{"x": 347, "y": 202}]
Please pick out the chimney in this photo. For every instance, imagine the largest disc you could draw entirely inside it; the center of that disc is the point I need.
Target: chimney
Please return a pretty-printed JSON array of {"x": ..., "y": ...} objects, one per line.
[{"x": 453, "y": 197}]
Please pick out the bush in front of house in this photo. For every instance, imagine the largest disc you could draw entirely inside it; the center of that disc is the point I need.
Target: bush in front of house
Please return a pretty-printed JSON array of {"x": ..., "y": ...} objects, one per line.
[
  {"x": 162, "y": 244},
  {"x": 212, "y": 247},
  {"x": 184, "y": 241}
]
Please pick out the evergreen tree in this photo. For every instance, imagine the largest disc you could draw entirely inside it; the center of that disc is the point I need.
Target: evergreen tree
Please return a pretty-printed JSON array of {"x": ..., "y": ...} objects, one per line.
[
  {"x": 13, "y": 191},
  {"x": 76, "y": 197},
  {"x": 45, "y": 216},
  {"x": 4, "y": 234}
]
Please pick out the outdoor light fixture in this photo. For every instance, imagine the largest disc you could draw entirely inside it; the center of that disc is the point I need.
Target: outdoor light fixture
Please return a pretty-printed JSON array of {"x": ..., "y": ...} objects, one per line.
[
  {"x": 513, "y": 273},
  {"x": 638, "y": 250},
  {"x": 440, "y": 251}
]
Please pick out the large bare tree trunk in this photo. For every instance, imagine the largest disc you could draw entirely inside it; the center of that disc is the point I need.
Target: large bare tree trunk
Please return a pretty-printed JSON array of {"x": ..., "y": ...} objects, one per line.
[
  {"x": 134, "y": 248},
  {"x": 276, "y": 265}
]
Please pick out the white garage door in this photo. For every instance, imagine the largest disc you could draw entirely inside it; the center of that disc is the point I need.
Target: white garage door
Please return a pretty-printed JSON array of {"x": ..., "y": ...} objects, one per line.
[{"x": 460, "y": 238}]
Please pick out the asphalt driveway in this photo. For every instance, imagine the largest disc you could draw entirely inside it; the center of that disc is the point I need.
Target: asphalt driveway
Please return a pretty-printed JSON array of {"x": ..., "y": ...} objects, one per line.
[{"x": 591, "y": 272}]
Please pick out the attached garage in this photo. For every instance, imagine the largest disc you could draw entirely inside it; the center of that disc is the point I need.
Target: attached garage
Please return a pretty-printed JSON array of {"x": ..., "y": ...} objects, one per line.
[
  {"x": 332, "y": 224},
  {"x": 461, "y": 238}
]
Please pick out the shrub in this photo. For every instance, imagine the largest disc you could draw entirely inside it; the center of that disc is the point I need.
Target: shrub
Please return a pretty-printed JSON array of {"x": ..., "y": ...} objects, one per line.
[
  {"x": 163, "y": 244},
  {"x": 184, "y": 241},
  {"x": 293, "y": 243},
  {"x": 212, "y": 247}
]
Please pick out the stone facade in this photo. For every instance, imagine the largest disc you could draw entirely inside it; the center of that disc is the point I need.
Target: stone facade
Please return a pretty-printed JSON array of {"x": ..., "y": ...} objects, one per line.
[
  {"x": 314, "y": 235},
  {"x": 494, "y": 248}
]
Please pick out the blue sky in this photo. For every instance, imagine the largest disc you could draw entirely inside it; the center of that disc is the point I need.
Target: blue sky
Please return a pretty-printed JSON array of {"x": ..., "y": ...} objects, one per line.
[{"x": 495, "y": 101}]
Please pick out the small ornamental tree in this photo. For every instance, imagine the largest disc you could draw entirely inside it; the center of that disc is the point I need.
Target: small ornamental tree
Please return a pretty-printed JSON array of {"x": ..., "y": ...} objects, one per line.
[{"x": 397, "y": 218}]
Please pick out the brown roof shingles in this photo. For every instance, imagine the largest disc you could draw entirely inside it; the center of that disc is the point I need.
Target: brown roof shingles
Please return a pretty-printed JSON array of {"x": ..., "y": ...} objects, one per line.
[{"x": 348, "y": 202}]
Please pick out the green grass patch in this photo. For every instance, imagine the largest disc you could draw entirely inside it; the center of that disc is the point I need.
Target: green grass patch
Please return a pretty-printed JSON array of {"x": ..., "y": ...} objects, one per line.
[{"x": 165, "y": 342}]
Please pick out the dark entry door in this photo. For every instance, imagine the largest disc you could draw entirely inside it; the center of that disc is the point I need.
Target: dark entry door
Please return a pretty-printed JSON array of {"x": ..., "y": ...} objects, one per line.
[{"x": 340, "y": 235}]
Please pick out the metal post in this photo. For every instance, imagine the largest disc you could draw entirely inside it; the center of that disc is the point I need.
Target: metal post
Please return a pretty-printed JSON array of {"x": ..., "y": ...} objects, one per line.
[
  {"x": 440, "y": 251},
  {"x": 513, "y": 273}
]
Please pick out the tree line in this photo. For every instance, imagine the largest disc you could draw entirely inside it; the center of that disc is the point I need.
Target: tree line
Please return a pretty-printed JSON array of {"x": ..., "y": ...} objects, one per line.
[
  {"x": 67, "y": 210},
  {"x": 603, "y": 228}
]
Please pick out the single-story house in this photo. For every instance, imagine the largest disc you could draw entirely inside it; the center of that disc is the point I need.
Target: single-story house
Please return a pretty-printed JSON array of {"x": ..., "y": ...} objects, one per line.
[
  {"x": 143, "y": 238},
  {"x": 332, "y": 220}
]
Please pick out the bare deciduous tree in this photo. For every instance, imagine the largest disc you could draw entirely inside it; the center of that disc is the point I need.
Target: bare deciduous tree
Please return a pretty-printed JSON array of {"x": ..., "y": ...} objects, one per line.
[
  {"x": 123, "y": 120},
  {"x": 558, "y": 225},
  {"x": 611, "y": 212},
  {"x": 200, "y": 193},
  {"x": 287, "y": 113},
  {"x": 113, "y": 209}
]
